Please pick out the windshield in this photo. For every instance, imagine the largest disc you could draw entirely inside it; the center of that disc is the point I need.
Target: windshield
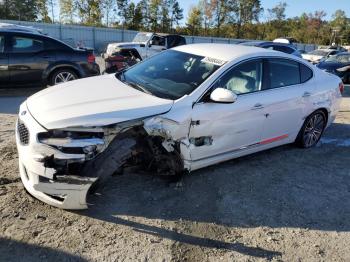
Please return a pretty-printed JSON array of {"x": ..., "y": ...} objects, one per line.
[
  {"x": 319, "y": 52},
  {"x": 170, "y": 74},
  {"x": 344, "y": 59},
  {"x": 142, "y": 37}
]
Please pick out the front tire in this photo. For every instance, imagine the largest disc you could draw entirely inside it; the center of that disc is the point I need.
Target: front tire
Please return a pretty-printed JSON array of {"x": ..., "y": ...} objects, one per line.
[
  {"x": 62, "y": 76},
  {"x": 312, "y": 130}
]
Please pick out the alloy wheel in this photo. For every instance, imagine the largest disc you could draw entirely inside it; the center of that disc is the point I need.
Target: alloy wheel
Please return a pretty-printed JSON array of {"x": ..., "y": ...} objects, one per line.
[
  {"x": 313, "y": 130},
  {"x": 63, "y": 77}
]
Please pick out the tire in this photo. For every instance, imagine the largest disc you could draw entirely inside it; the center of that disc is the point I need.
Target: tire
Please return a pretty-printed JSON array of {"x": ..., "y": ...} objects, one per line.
[
  {"x": 312, "y": 130},
  {"x": 62, "y": 76}
]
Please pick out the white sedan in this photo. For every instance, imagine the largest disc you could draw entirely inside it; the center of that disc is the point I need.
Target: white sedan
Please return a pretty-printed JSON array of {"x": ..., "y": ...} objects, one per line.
[{"x": 184, "y": 109}]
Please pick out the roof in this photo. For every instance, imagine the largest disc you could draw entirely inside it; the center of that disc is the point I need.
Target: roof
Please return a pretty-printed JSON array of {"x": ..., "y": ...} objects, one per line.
[
  {"x": 225, "y": 52},
  {"x": 161, "y": 34},
  {"x": 262, "y": 43},
  {"x": 19, "y": 28}
]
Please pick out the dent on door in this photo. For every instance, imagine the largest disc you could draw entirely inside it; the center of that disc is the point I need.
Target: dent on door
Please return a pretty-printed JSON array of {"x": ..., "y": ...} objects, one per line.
[{"x": 223, "y": 128}]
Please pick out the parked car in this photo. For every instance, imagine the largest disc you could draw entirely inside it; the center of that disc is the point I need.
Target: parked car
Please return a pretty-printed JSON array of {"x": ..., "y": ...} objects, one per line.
[
  {"x": 318, "y": 55},
  {"x": 29, "y": 58},
  {"x": 285, "y": 40},
  {"x": 277, "y": 46},
  {"x": 184, "y": 109},
  {"x": 121, "y": 55},
  {"x": 339, "y": 65}
]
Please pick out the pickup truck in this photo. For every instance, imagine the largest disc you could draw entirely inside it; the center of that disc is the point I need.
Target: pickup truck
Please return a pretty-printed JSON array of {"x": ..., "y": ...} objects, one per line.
[{"x": 120, "y": 55}]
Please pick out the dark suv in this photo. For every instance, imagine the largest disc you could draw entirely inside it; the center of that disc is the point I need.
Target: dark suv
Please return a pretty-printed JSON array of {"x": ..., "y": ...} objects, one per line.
[{"x": 29, "y": 58}]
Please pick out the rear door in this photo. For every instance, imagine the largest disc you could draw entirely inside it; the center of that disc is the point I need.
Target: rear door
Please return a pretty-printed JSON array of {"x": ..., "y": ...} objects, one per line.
[
  {"x": 4, "y": 62},
  {"x": 286, "y": 97},
  {"x": 27, "y": 59}
]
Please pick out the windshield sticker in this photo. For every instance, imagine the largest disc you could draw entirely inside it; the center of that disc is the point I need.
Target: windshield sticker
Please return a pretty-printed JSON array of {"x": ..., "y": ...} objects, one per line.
[{"x": 214, "y": 61}]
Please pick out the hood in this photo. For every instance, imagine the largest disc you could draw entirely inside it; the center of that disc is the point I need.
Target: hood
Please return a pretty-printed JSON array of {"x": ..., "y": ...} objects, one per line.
[
  {"x": 111, "y": 47},
  {"x": 94, "y": 101}
]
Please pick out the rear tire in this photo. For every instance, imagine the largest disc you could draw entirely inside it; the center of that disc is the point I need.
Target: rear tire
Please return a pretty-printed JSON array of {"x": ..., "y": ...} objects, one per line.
[
  {"x": 312, "y": 130},
  {"x": 62, "y": 76}
]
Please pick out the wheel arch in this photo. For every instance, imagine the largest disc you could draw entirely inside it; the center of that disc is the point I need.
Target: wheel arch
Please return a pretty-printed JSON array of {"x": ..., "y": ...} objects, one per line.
[
  {"x": 324, "y": 110},
  {"x": 51, "y": 70}
]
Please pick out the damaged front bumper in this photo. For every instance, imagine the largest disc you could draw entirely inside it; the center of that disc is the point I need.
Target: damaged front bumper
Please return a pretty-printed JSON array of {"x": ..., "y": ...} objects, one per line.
[
  {"x": 59, "y": 166},
  {"x": 41, "y": 180}
]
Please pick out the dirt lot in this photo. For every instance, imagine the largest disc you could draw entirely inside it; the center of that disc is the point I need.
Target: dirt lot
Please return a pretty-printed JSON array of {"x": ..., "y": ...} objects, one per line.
[{"x": 285, "y": 204}]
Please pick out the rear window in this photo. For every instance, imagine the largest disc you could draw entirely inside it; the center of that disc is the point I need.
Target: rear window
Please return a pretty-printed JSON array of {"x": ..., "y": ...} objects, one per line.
[
  {"x": 305, "y": 73},
  {"x": 54, "y": 45},
  {"x": 283, "y": 72},
  {"x": 26, "y": 45}
]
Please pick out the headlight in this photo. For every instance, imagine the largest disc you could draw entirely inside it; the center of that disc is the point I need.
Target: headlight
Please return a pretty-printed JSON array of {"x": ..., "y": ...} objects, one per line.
[{"x": 74, "y": 142}]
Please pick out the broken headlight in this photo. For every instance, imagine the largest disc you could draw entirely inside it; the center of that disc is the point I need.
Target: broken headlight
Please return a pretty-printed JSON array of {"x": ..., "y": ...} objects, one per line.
[{"x": 74, "y": 142}]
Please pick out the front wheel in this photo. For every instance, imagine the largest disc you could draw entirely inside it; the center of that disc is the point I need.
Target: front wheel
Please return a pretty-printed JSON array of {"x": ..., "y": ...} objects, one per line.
[
  {"x": 62, "y": 76},
  {"x": 312, "y": 130}
]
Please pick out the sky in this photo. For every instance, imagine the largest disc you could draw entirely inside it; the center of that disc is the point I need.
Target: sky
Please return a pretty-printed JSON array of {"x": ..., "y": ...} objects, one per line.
[{"x": 294, "y": 7}]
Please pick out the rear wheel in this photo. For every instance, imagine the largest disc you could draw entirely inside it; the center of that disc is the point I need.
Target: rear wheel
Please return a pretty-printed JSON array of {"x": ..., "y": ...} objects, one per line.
[
  {"x": 62, "y": 76},
  {"x": 312, "y": 130}
]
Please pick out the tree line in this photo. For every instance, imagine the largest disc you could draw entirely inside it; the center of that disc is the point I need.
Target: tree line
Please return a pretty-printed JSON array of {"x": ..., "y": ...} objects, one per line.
[{"x": 242, "y": 19}]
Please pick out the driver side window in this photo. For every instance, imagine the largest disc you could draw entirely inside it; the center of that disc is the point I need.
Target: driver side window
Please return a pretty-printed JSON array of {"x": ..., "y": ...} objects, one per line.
[{"x": 242, "y": 79}]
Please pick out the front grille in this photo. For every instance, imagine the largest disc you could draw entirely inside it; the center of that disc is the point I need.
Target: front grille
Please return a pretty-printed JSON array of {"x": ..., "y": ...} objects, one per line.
[{"x": 23, "y": 133}]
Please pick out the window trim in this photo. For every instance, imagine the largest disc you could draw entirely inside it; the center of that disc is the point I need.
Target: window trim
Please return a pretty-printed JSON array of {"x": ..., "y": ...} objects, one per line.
[{"x": 204, "y": 94}]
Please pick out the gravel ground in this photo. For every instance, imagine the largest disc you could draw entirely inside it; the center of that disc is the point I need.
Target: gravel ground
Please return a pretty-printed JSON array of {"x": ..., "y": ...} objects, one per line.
[{"x": 284, "y": 204}]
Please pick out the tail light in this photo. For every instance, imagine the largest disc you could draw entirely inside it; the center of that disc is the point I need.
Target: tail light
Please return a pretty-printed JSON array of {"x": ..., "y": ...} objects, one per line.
[
  {"x": 91, "y": 58},
  {"x": 341, "y": 87}
]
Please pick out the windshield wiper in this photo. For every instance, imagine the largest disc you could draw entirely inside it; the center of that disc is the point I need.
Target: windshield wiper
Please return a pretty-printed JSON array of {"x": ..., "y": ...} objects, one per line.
[{"x": 138, "y": 87}]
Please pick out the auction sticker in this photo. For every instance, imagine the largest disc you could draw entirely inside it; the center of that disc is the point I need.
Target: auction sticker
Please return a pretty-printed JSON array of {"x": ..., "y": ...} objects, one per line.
[{"x": 214, "y": 61}]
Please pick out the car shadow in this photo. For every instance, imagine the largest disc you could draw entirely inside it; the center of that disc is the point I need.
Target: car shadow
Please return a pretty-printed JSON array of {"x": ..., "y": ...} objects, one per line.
[
  {"x": 282, "y": 187},
  {"x": 12, "y": 250}
]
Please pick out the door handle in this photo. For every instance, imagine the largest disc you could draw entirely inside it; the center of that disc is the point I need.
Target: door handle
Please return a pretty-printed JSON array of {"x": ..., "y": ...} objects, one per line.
[
  {"x": 257, "y": 106},
  {"x": 306, "y": 94},
  {"x": 3, "y": 68}
]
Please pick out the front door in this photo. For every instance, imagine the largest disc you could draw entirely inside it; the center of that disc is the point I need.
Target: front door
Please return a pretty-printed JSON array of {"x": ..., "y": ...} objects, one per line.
[
  {"x": 157, "y": 44},
  {"x": 224, "y": 128}
]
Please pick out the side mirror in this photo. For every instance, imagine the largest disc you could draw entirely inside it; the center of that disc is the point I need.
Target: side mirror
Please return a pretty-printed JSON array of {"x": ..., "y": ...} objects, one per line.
[
  {"x": 150, "y": 43},
  {"x": 222, "y": 95}
]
